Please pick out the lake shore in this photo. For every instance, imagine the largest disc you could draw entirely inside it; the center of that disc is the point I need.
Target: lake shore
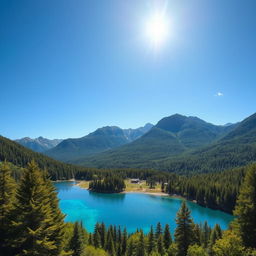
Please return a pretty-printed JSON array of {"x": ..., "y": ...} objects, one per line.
[{"x": 85, "y": 185}]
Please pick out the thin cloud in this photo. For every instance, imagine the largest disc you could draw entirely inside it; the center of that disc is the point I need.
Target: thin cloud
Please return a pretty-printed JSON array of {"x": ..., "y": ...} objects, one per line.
[{"x": 219, "y": 94}]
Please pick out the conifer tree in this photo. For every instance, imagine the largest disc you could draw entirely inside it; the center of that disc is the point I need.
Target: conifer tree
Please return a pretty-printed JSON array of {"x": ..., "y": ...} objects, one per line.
[
  {"x": 246, "y": 208},
  {"x": 205, "y": 234},
  {"x": 57, "y": 221},
  {"x": 159, "y": 230},
  {"x": 160, "y": 245},
  {"x": 151, "y": 241},
  {"x": 76, "y": 242},
  {"x": 184, "y": 231},
  {"x": 103, "y": 235},
  {"x": 130, "y": 248},
  {"x": 7, "y": 197},
  {"x": 197, "y": 234},
  {"x": 167, "y": 237},
  {"x": 97, "y": 239},
  {"x": 35, "y": 214},
  {"x": 140, "y": 250},
  {"x": 124, "y": 242},
  {"x": 215, "y": 234},
  {"x": 110, "y": 247}
]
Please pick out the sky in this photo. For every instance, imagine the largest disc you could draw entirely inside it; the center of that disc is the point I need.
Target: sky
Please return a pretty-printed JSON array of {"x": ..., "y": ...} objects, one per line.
[{"x": 68, "y": 67}]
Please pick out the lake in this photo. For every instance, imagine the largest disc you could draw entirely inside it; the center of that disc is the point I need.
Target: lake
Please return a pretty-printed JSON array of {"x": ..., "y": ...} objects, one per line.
[{"x": 131, "y": 210}]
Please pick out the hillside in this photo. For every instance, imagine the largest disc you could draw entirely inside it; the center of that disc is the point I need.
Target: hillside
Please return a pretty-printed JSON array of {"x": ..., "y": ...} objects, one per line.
[
  {"x": 20, "y": 156},
  {"x": 39, "y": 144},
  {"x": 172, "y": 136},
  {"x": 237, "y": 148},
  {"x": 102, "y": 139}
]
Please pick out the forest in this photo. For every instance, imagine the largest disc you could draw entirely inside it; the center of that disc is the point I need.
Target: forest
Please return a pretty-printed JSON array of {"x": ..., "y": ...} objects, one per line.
[
  {"x": 109, "y": 184},
  {"x": 31, "y": 223}
]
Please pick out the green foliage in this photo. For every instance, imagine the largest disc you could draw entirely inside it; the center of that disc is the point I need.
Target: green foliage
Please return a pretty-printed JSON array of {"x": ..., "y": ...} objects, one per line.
[
  {"x": 184, "y": 231},
  {"x": 92, "y": 251},
  {"x": 140, "y": 250},
  {"x": 37, "y": 225},
  {"x": 196, "y": 250},
  {"x": 246, "y": 208},
  {"x": 167, "y": 237},
  {"x": 110, "y": 184},
  {"x": 7, "y": 199},
  {"x": 77, "y": 241},
  {"x": 214, "y": 190},
  {"x": 230, "y": 244}
]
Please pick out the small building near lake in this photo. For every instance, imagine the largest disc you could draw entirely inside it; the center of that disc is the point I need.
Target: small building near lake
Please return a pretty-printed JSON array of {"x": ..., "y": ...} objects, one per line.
[{"x": 135, "y": 181}]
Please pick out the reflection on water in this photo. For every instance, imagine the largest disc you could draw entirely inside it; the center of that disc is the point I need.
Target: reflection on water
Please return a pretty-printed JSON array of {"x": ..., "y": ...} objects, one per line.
[
  {"x": 64, "y": 185},
  {"x": 100, "y": 197}
]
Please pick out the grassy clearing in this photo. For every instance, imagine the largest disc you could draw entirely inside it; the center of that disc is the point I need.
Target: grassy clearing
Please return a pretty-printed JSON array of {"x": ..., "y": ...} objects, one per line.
[{"x": 130, "y": 187}]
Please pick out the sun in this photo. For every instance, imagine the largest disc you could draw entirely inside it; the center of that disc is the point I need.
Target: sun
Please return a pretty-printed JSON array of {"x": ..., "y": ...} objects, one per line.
[{"x": 157, "y": 29}]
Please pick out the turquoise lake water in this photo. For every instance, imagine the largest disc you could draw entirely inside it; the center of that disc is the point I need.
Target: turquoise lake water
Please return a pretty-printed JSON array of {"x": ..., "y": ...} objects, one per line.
[{"x": 129, "y": 210}]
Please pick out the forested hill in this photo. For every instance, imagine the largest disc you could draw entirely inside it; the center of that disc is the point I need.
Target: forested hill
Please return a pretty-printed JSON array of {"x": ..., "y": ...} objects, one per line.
[
  {"x": 20, "y": 156},
  {"x": 238, "y": 148},
  {"x": 160, "y": 149},
  {"x": 102, "y": 139}
]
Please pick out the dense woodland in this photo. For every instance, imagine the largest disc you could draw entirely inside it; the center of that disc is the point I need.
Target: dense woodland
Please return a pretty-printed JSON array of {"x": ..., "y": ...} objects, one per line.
[
  {"x": 31, "y": 223},
  {"x": 110, "y": 184}
]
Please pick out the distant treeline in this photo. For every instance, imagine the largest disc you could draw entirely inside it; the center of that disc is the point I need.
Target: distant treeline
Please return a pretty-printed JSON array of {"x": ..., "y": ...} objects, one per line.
[{"x": 214, "y": 190}]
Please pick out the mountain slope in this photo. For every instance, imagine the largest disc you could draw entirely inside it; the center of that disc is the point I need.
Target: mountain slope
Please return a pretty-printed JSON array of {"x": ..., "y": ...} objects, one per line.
[
  {"x": 237, "y": 148},
  {"x": 39, "y": 144},
  {"x": 171, "y": 136},
  {"x": 20, "y": 156},
  {"x": 102, "y": 139}
]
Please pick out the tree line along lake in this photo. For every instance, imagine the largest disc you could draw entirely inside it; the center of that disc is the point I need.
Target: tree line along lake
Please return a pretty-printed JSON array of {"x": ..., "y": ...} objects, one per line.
[{"x": 130, "y": 210}]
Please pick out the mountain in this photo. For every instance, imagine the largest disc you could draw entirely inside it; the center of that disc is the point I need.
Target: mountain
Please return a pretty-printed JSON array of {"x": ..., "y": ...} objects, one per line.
[
  {"x": 172, "y": 136},
  {"x": 39, "y": 144},
  {"x": 237, "y": 148},
  {"x": 102, "y": 139},
  {"x": 18, "y": 155},
  {"x": 133, "y": 134}
]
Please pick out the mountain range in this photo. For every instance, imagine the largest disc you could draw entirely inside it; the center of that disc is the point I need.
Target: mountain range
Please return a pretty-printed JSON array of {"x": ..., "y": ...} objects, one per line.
[
  {"x": 39, "y": 144},
  {"x": 171, "y": 137},
  {"x": 176, "y": 143},
  {"x": 102, "y": 139}
]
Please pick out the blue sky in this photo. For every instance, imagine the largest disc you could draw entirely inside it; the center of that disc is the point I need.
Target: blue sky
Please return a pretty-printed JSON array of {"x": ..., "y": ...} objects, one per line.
[{"x": 68, "y": 67}]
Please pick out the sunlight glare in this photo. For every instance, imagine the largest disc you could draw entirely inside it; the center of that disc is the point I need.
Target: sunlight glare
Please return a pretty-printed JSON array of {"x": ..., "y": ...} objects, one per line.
[{"x": 157, "y": 29}]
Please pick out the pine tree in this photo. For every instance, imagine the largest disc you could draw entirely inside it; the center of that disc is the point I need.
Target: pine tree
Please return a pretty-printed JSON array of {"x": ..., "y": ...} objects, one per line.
[
  {"x": 76, "y": 242},
  {"x": 205, "y": 234},
  {"x": 124, "y": 242},
  {"x": 151, "y": 241},
  {"x": 167, "y": 237},
  {"x": 160, "y": 245},
  {"x": 216, "y": 234},
  {"x": 35, "y": 216},
  {"x": 97, "y": 239},
  {"x": 57, "y": 217},
  {"x": 140, "y": 250},
  {"x": 159, "y": 230},
  {"x": 184, "y": 231},
  {"x": 97, "y": 236},
  {"x": 7, "y": 197},
  {"x": 246, "y": 208},
  {"x": 110, "y": 247},
  {"x": 103, "y": 235}
]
